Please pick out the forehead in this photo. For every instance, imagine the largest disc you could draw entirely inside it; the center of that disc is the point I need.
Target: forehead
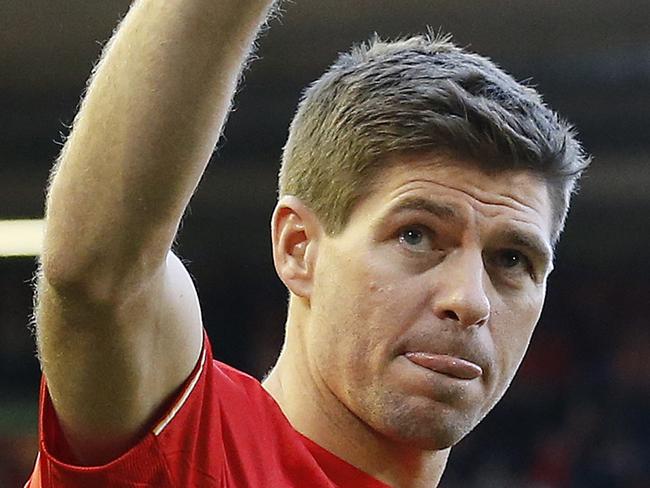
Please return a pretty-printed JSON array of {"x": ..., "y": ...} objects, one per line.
[{"x": 462, "y": 190}]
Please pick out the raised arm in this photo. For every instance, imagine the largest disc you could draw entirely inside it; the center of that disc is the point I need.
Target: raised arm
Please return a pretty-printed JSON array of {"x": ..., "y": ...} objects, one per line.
[{"x": 118, "y": 321}]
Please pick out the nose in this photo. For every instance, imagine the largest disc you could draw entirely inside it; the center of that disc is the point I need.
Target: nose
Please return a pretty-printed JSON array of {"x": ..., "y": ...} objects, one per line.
[{"x": 460, "y": 292}]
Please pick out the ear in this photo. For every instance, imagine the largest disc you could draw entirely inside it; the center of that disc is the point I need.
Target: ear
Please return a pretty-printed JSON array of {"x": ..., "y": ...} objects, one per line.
[{"x": 295, "y": 234}]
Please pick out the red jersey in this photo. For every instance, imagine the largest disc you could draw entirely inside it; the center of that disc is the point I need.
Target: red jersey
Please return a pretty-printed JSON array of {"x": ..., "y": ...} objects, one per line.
[{"x": 223, "y": 430}]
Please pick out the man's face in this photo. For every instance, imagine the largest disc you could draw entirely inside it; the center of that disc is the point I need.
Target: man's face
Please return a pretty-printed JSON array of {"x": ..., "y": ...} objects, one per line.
[{"x": 425, "y": 304}]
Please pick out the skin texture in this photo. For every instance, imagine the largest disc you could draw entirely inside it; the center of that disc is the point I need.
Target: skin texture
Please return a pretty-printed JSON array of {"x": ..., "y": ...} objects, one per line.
[{"x": 459, "y": 270}]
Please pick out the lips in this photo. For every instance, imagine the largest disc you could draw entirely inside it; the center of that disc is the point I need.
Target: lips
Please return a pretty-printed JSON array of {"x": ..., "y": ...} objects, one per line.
[{"x": 448, "y": 365}]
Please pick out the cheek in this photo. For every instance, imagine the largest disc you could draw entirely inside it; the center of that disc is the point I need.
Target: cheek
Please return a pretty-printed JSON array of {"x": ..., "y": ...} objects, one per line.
[
  {"x": 363, "y": 306},
  {"x": 338, "y": 308},
  {"x": 513, "y": 333},
  {"x": 392, "y": 300}
]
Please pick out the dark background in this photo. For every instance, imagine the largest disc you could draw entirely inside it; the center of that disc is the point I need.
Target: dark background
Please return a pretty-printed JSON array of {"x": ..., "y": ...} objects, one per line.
[{"x": 576, "y": 416}]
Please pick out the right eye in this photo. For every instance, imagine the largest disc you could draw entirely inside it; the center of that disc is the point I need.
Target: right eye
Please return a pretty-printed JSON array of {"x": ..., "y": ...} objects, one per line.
[{"x": 416, "y": 239}]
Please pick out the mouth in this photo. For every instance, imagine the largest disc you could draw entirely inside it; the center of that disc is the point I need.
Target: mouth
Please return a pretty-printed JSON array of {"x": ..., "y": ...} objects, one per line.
[{"x": 451, "y": 366}]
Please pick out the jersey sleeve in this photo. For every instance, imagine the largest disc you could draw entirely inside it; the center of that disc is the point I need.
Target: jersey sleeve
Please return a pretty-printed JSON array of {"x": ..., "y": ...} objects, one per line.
[
  {"x": 222, "y": 429},
  {"x": 171, "y": 453}
]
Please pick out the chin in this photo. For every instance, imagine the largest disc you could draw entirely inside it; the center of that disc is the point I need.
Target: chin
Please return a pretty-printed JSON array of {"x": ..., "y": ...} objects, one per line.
[
  {"x": 430, "y": 437},
  {"x": 428, "y": 427}
]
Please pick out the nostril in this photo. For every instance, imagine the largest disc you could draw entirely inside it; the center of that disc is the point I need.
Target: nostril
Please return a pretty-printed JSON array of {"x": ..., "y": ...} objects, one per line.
[
  {"x": 450, "y": 314},
  {"x": 482, "y": 322},
  {"x": 464, "y": 319}
]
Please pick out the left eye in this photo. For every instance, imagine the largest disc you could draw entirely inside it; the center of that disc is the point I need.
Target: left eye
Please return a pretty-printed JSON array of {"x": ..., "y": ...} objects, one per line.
[{"x": 511, "y": 258}]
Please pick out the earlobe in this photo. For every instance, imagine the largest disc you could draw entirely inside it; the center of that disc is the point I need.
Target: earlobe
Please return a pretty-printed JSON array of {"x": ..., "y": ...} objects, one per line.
[{"x": 295, "y": 231}]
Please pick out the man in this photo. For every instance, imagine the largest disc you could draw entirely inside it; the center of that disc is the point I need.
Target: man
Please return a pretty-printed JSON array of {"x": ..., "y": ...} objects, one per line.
[{"x": 422, "y": 191}]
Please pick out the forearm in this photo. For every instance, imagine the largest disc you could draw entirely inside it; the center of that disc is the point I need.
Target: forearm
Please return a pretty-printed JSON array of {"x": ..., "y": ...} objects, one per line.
[{"x": 144, "y": 134}]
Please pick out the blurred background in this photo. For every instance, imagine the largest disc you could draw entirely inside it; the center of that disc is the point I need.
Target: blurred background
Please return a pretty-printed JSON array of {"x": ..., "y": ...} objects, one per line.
[{"x": 577, "y": 413}]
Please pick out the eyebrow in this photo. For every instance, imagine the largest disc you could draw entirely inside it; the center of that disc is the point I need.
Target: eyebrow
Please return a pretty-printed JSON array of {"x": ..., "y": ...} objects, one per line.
[{"x": 440, "y": 210}]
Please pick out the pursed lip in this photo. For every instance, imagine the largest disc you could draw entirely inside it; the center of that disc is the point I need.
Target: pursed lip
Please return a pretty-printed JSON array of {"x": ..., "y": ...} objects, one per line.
[{"x": 448, "y": 365}]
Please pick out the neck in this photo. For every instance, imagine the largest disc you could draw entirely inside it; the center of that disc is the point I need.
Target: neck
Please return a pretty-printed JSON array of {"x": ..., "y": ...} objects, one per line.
[{"x": 314, "y": 411}]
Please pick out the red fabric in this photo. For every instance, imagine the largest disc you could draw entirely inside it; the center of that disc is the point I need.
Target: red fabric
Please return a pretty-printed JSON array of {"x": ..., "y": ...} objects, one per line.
[{"x": 228, "y": 433}]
